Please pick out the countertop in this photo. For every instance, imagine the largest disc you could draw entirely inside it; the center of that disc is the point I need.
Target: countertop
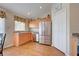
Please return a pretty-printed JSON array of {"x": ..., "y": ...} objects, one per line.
[
  {"x": 75, "y": 34},
  {"x": 25, "y": 32},
  {"x": 21, "y": 31}
]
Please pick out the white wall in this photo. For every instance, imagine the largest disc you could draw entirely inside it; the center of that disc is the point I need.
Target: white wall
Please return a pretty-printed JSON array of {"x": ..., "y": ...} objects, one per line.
[
  {"x": 9, "y": 29},
  {"x": 74, "y": 18}
]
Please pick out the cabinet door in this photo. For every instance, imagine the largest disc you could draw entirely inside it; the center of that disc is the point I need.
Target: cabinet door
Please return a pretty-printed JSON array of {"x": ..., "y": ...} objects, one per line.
[
  {"x": 60, "y": 30},
  {"x": 73, "y": 46}
]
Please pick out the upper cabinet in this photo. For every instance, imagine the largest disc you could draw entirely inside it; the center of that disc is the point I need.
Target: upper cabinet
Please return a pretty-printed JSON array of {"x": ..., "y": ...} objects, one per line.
[{"x": 34, "y": 23}]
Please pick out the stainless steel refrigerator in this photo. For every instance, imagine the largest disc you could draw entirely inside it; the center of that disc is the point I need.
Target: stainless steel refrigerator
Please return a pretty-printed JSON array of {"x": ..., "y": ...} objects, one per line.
[{"x": 45, "y": 36}]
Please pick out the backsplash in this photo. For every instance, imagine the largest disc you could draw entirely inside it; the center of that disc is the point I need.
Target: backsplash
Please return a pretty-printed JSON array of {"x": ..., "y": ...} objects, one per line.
[{"x": 36, "y": 30}]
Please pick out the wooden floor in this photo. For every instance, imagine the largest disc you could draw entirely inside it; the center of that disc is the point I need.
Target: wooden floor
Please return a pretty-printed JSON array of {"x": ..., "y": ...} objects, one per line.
[{"x": 32, "y": 49}]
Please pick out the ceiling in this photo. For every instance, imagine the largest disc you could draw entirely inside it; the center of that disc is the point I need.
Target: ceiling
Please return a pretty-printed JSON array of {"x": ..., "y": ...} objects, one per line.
[{"x": 29, "y": 10}]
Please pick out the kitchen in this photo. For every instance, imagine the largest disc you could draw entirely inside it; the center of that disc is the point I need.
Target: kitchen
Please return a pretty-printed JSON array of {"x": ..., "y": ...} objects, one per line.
[{"x": 36, "y": 28}]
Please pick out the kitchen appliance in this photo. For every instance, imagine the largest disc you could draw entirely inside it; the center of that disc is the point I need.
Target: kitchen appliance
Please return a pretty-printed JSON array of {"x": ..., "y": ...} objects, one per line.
[{"x": 45, "y": 36}]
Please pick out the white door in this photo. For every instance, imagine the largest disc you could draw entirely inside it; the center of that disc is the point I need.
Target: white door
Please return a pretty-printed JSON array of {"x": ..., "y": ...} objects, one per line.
[{"x": 59, "y": 30}]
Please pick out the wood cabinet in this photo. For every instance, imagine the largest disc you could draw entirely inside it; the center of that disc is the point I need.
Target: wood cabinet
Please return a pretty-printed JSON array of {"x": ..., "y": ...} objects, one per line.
[
  {"x": 74, "y": 46},
  {"x": 22, "y": 37},
  {"x": 34, "y": 23}
]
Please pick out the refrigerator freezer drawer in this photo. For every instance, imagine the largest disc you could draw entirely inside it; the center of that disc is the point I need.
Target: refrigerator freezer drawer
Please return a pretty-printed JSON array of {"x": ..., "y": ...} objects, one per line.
[
  {"x": 48, "y": 40},
  {"x": 45, "y": 40}
]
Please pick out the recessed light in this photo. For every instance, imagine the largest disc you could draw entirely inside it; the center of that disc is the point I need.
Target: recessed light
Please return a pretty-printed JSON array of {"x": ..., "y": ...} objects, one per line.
[{"x": 40, "y": 7}]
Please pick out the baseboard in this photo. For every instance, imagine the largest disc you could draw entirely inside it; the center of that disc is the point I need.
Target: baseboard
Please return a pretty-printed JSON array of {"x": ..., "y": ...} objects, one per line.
[
  {"x": 45, "y": 44},
  {"x": 7, "y": 46},
  {"x": 60, "y": 50}
]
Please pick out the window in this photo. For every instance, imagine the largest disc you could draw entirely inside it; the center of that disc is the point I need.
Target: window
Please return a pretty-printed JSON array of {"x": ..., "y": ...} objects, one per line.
[
  {"x": 2, "y": 25},
  {"x": 19, "y": 26}
]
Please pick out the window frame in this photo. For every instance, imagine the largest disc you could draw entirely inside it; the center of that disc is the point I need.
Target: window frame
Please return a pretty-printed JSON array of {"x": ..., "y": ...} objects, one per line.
[{"x": 18, "y": 26}]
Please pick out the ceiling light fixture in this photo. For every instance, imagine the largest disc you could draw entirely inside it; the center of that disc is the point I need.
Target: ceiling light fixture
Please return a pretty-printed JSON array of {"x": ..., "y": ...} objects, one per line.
[{"x": 40, "y": 7}]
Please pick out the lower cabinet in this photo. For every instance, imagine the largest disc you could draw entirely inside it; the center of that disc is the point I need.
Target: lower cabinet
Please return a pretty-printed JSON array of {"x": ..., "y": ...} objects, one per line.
[
  {"x": 74, "y": 46},
  {"x": 21, "y": 38}
]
